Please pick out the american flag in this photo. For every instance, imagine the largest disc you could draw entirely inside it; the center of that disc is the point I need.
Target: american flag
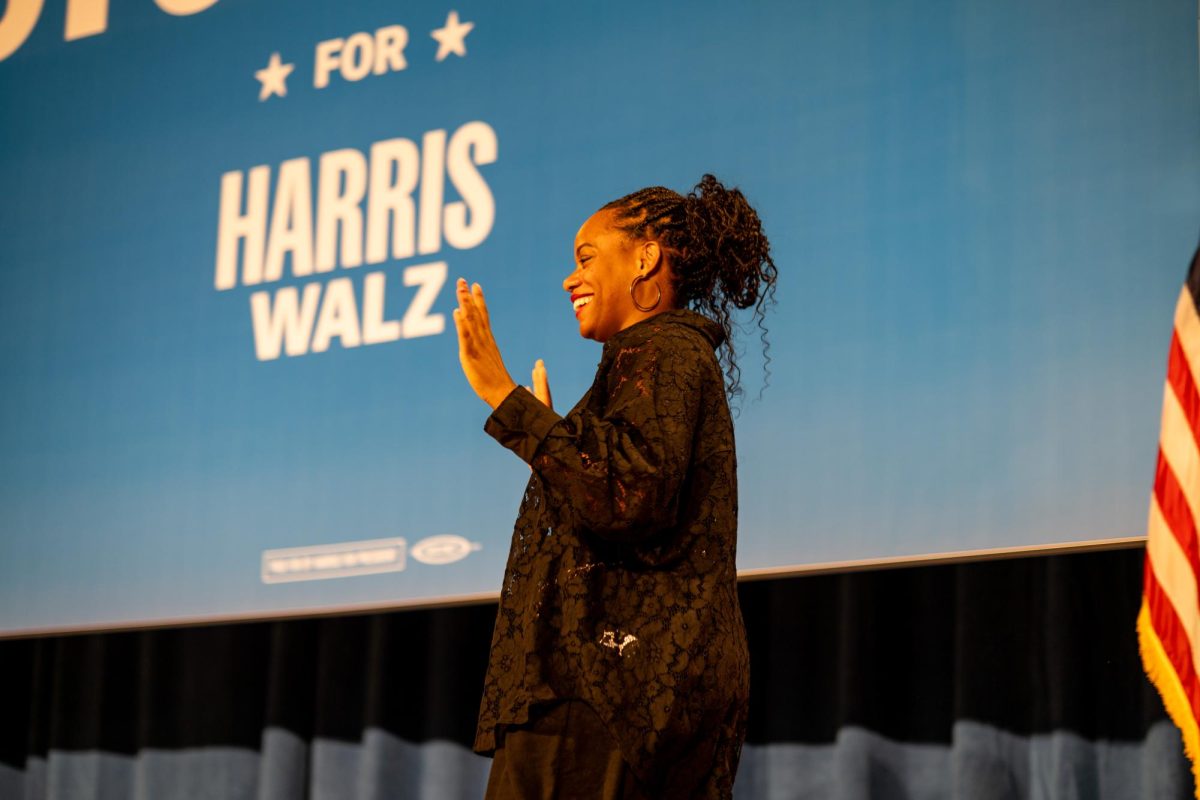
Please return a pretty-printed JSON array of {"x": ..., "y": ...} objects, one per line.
[{"x": 1169, "y": 622}]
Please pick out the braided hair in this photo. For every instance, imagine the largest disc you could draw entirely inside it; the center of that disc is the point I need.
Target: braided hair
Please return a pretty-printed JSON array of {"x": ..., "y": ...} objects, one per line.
[{"x": 719, "y": 256}]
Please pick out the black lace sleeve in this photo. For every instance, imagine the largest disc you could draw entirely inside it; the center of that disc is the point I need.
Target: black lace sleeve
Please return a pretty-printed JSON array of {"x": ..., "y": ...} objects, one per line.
[{"x": 617, "y": 472}]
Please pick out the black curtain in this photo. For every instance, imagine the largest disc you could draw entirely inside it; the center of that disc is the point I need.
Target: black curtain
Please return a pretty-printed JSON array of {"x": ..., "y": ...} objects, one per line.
[{"x": 1006, "y": 678}]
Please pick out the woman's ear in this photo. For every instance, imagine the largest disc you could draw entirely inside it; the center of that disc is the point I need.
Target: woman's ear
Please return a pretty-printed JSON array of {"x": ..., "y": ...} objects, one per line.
[{"x": 650, "y": 256}]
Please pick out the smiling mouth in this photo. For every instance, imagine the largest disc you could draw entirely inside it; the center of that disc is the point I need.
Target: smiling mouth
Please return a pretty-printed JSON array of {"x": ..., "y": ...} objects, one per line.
[{"x": 580, "y": 302}]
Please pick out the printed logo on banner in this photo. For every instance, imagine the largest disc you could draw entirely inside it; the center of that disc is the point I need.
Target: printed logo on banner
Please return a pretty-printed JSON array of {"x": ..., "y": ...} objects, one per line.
[
  {"x": 341, "y": 560},
  {"x": 443, "y": 549},
  {"x": 310, "y": 217}
]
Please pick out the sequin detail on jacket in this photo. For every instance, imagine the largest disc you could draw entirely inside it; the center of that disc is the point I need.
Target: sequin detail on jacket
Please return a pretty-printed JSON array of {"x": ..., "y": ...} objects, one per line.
[{"x": 620, "y": 587}]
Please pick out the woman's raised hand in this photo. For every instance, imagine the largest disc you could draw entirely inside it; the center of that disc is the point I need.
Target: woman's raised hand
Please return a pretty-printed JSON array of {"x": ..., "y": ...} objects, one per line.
[
  {"x": 477, "y": 349},
  {"x": 541, "y": 384}
]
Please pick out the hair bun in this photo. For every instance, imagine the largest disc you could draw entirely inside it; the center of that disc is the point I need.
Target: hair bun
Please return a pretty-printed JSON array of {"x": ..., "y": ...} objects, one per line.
[{"x": 720, "y": 256}]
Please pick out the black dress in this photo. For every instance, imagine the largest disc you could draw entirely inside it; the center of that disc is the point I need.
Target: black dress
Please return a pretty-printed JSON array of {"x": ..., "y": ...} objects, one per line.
[{"x": 620, "y": 588}]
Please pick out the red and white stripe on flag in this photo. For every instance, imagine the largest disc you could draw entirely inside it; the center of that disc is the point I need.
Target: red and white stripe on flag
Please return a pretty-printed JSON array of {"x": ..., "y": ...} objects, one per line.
[{"x": 1169, "y": 622}]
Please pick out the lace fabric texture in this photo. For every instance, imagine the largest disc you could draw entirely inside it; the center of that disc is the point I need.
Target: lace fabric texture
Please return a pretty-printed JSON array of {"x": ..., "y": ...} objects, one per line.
[{"x": 620, "y": 588}]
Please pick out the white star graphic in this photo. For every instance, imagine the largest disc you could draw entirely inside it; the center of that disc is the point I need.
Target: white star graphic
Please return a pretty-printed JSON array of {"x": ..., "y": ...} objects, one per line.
[
  {"x": 273, "y": 78},
  {"x": 452, "y": 37}
]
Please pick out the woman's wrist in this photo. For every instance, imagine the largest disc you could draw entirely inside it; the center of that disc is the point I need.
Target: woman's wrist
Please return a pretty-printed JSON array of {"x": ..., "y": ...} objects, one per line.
[{"x": 495, "y": 396}]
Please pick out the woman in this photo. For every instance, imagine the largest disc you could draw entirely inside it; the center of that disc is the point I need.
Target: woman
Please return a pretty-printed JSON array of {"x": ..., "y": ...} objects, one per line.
[{"x": 618, "y": 665}]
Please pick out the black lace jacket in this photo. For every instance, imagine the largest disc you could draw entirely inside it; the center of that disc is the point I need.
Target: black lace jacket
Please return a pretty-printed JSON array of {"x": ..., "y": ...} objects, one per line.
[{"x": 620, "y": 588}]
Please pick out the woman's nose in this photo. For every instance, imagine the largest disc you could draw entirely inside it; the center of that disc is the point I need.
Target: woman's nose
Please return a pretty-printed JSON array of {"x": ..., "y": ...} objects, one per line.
[{"x": 571, "y": 281}]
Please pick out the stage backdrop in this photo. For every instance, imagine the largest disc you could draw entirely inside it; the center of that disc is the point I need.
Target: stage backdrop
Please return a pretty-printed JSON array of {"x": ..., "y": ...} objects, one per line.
[{"x": 229, "y": 233}]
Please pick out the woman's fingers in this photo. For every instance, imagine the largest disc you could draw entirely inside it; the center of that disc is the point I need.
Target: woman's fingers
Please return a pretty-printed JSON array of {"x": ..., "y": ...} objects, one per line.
[
  {"x": 480, "y": 304},
  {"x": 463, "y": 294},
  {"x": 477, "y": 351},
  {"x": 467, "y": 315},
  {"x": 476, "y": 341},
  {"x": 541, "y": 383},
  {"x": 473, "y": 306},
  {"x": 461, "y": 326}
]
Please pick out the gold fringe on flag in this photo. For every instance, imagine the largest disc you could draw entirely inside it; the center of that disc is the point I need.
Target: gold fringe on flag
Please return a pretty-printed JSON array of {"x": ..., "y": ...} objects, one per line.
[{"x": 1162, "y": 674}]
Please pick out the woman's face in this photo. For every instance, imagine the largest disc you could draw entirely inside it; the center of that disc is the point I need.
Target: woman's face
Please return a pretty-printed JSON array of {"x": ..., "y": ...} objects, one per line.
[{"x": 605, "y": 264}]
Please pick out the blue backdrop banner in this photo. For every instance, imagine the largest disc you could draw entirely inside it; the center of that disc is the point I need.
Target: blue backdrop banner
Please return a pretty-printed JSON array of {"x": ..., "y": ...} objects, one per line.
[{"x": 229, "y": 233}]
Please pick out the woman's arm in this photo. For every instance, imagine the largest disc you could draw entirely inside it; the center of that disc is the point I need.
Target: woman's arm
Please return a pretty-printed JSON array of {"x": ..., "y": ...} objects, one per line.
[{"x": 618, "y": 473}]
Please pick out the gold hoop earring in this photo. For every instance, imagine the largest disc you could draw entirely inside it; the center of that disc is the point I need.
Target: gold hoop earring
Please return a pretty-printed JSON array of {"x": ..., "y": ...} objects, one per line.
[{"x": 633, "y": 294}]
